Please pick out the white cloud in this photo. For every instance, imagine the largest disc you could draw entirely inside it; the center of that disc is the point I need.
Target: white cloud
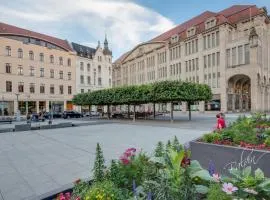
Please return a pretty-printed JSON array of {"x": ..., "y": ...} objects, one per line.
[{"x": 125, "y": 22}]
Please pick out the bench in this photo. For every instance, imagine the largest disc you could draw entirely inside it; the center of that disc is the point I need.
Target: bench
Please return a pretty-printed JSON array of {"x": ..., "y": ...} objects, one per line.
[{"x": 7, "y": 120}]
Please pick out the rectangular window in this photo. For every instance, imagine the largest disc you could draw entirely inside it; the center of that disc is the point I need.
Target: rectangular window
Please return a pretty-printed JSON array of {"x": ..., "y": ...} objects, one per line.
[
  {"x": 51, "y": 73},
  {"x": 69, "y": 90},
  {"x": 8, "y": 68},
  {"x": 218, "y": 58},
  {"x": 247, "y": 59},
  {"x": 186, "y": 66},
  {"x": 196, "y": 45},
  {"x": 41, "y": 72},
  {"x": 99, "y": 81},
  {"x": 214, "y": 80},
  {"x": 213, "y": 40},
  {"x": 218, "y": 79},
  {"x": 189, "y": 65},
  {"x": 204, "y": 42},
  {"x": 20, "y": 87},
  {"x": 20, "y": 70},
  {"x": 61, "y": 74},
  {"x": 8, "y": 51},
  {"x": 69, "y": 75},
  {"x": 8, "y": 86},
  {"x": 42, "y": 88},
  {"x": 213, "y": 59},
  {"x": 240, "y": 55},
  {"x": 88, "y": 67},
  {"x": 189, "y": 48},
  {"x": 82, "y": 79},
  {"x": 61, "y": 89},
  {"x": 208, "y": 41},
  {"x": 197, "y": 64},
  {"x": 81, "y": 66},
  {"x": 32, "y": 71},
  {"x": 32, "y": 88},
  {"x": 209, "y": 80},
  {"x": 193, "y": 65},
  {"x": 41, "y": 57},
  {"x": 170, "y": 56},
  {"x": 51, "y": 89},
  {"x": 193, "y": 47},
  {"x": 234, "y": 56},
  {"x": 205, "y": 78},
  {"x": 82, "y": 90},
  {"x": 228, "y": 57},
  {"x": 209, "y": 60},
  {"x": 89, "y": 80},
  {"x": 217, "y": 38}
]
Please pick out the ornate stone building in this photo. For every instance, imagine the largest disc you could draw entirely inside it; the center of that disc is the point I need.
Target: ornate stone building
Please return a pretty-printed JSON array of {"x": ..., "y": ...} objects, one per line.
[
  {"x": 93, "y": 68},
  {"x": 37, "y": 72},
  {"x": 228, "y": 50}
]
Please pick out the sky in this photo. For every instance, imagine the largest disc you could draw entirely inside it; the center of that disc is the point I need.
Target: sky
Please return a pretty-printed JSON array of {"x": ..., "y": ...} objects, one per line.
[{"x": 125, "y": 22}]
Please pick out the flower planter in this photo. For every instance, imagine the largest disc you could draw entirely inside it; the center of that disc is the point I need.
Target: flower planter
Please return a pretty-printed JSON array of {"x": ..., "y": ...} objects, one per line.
[{"x": 227, "y": 157}]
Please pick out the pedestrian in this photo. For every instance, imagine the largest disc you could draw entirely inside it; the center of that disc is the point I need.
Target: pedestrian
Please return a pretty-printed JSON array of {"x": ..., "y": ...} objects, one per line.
[{"x": 220, "y": 122}]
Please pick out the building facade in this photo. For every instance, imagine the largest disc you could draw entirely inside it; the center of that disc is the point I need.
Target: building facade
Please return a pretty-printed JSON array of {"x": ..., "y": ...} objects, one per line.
[
  {"x": 37, "y": 72},
  {"x": 228, "y": 50},
  {"x": 93, "y": 69}
]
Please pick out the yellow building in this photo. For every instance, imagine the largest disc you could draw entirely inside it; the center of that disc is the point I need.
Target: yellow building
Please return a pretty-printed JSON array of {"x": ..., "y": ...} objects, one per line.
[{"x": 37, "y": 72}]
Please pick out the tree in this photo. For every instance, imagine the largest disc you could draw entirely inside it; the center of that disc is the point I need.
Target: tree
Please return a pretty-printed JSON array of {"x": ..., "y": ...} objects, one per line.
[
  {"x": 175, "y": 144},
  {"x": 99, "y": 165},
  {"x": 159, "y": 151}
]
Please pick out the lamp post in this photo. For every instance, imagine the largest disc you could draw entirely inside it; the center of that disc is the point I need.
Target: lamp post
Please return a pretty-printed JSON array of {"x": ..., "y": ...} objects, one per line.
[
  {"x": 18, "y": 117},
  {"x": 2, "y": 106},
  {"x": 27, "y": 108}
]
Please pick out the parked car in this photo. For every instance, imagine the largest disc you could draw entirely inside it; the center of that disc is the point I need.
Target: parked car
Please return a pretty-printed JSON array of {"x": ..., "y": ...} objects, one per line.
[
  {"x": 71, "y": 114},
  {"x": 48, "y": 115},
  {"x": 36, "y": 117}
]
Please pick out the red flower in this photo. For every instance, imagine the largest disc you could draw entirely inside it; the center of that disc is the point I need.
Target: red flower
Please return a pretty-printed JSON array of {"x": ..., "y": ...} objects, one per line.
[{"x": 124, "y": 159}]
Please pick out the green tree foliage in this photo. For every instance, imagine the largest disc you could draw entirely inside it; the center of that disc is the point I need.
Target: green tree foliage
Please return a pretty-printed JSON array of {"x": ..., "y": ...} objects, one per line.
[
  {"x": 164, "y": 91},
  {"x": 99, "y": 165}
]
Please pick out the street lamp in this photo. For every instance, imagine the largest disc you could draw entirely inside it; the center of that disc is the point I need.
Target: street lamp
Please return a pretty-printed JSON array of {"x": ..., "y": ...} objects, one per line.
[
  {"x": 26, "y": 109},
  {"x": 2, "y": 105},
  {"x": 18, "y": 117}
]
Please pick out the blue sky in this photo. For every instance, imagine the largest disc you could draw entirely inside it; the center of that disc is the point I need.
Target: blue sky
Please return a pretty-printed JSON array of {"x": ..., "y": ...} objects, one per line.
[{"x": 126, "y": 22}]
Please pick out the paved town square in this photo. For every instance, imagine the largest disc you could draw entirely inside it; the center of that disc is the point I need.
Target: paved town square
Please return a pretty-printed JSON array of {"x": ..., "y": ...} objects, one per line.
[{"x": 34, "y": 164}]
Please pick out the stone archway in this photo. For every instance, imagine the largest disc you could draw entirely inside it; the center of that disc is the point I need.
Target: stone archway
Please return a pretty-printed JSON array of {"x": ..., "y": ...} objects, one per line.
[{"x": 239, "y": 93}]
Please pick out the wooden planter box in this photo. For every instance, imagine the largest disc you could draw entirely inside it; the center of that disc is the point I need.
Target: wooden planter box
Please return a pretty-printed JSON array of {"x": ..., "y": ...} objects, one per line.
[{"x": 227, "y": 157}]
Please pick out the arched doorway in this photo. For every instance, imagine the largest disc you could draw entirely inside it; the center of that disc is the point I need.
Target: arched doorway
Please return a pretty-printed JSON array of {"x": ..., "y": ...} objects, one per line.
[{"x": 239, "y": 94}]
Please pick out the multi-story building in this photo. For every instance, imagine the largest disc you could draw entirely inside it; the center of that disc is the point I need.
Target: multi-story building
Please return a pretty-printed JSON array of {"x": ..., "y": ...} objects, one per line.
[
  {"x": 93, "y": 68},
  {"x": 37, "y": 72},
  {"x": 228, "y": 50}
]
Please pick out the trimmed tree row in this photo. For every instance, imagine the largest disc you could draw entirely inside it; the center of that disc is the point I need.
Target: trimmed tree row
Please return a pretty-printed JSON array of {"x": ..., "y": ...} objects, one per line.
[{"x": 159, "y": 92}]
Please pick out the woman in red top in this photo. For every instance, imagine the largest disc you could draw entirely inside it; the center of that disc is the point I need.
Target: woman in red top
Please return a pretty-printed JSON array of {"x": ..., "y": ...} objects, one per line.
[{"x": 220, "y": 122}]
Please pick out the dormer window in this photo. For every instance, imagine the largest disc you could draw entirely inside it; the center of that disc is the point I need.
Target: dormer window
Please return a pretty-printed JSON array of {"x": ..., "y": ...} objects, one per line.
[
  {"x": 211, "y": 22},
  {"x": 174, "y": 39},
  {"x": 191, "y": 31}
]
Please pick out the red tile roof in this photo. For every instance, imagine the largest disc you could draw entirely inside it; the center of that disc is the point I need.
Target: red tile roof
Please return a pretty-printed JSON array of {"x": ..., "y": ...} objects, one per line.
[
  {"x": 6, "y": 29},
  {"x": 230, "y": 15}
]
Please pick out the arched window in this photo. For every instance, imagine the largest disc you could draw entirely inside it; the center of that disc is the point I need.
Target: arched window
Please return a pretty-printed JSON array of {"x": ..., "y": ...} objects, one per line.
[
  {"x": 8, "y": 51},
  {"x": 69, "y": 62},
  {"x": 41, "y": 57},
  {"x": 60, "y": 61},
  {"x": 99, "y": 69},
  {"x": 51, "y": 59},
  {"x": 31, "y": 55},
  {"x": 20, "y": 53}
]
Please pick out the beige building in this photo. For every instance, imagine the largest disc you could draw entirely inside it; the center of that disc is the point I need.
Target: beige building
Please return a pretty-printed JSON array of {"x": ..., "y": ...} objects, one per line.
[
  {"x": 37, "y": 72},
  {"x": 228, "y": 50},
  {"x": 93, "y": 69}
]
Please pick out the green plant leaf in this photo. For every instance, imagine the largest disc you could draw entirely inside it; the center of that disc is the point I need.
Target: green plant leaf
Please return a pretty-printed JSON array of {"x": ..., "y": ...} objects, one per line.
[
  {"x": 159, "y": 160},
  {"x": 259, "y": 175},
  {"x": 201, "y": 189},
  {"x": 265, "y": 185},
  {"x": 194, "y": 166},
  {"x": 202, "y": 174},
  {"x": 247, "y": 171}
]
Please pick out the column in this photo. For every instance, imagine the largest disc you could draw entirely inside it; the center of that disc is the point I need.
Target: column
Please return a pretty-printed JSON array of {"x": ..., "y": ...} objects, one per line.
[
  {"x": 184, "y": 106},
  {"x": 233, "y": 102},
  {"x": 202, "y": 106},
  {"x": 240, "y": 102},
  {"x": 47, "y": 106},
  {"x": 15, "y": 106},
  {"x": 37, "y": 106},
  {"x": 65, "y": 105}
]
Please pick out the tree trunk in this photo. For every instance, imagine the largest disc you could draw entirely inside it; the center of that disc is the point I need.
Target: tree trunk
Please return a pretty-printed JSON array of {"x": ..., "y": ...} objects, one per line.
[
  {"x": 108, "y": 111},
  {"x": 128, "y": 111},
  {"x": 134, "y": 116},
  {"x": 154, "y": 111},
  {"x": 189, "y": 111},
  {"x": 89, "y": 107},
  {"x": 171, "y": 112}
]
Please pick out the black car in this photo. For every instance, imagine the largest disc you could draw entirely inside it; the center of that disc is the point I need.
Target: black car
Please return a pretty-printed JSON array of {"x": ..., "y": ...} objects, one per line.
[
  {"x": 48, "y": 115},
  {"x": 71, "y": 114}
]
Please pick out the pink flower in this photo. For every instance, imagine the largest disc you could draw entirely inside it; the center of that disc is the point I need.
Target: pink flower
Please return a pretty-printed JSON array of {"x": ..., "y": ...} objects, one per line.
[
  {"x": 229, "y": 188},
  {"x": 216, "y": 177},
  {"x": 78, "y": 198},
  {"x": 124, "y": 159},
  {"x": 130, "y": 152}
]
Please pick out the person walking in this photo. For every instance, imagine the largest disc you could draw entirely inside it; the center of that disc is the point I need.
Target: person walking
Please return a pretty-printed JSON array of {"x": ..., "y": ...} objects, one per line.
[{"x": 220, "y": 122}]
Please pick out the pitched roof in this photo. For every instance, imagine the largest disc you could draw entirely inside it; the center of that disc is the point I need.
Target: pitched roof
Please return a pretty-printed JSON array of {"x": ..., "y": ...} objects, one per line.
[
  {"x": 121, "y": 58},
  {"x": 6, "y": 29},
  {"x": 231, "y": 15},
  {"x": 82, "y": 50}
]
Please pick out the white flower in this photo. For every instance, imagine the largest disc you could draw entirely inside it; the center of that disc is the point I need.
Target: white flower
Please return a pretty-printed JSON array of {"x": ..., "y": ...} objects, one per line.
[{"x": 251, "y": 191}]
